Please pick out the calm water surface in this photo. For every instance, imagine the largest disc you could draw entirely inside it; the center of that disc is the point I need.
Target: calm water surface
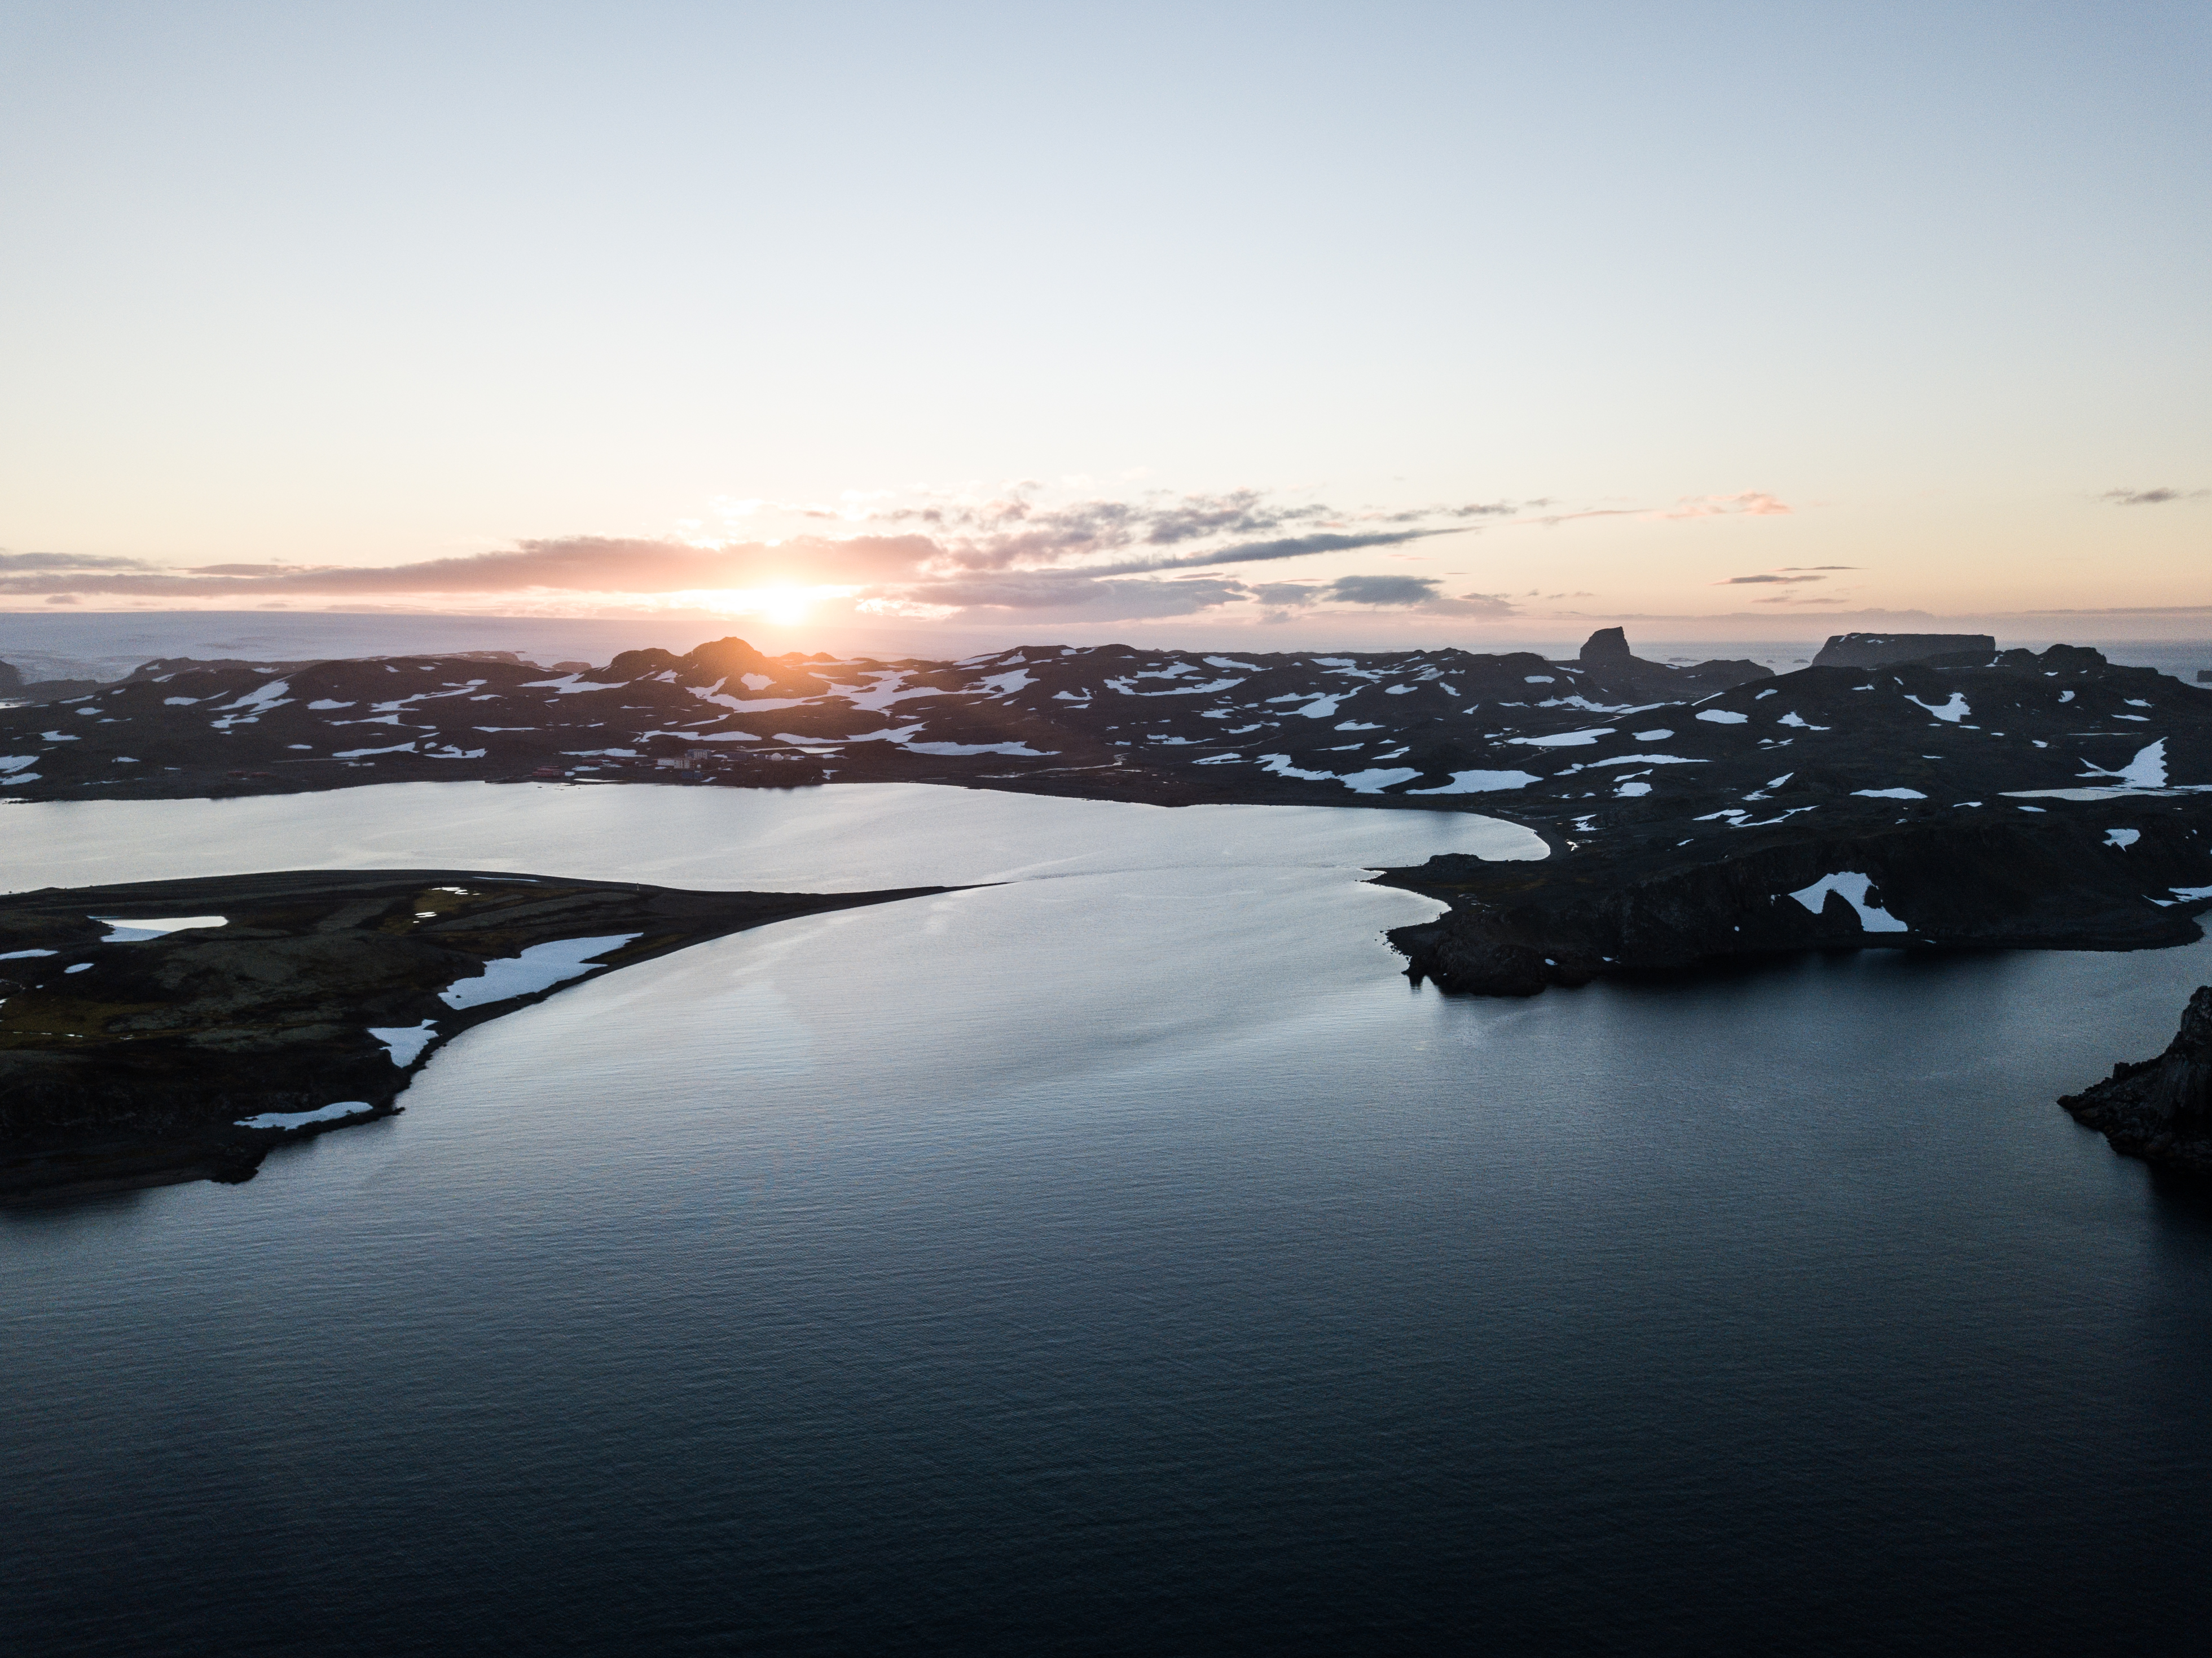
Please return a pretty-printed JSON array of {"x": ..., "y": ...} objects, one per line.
[{"x": 1120, "y": 1259}]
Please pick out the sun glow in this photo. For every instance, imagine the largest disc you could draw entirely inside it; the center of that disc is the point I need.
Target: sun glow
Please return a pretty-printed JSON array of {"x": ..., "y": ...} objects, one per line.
[{"x": 784, "y": 605}]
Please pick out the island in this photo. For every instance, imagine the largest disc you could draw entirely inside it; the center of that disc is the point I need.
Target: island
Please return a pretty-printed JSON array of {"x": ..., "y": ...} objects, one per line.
[{"x": 173, "y": 1030}]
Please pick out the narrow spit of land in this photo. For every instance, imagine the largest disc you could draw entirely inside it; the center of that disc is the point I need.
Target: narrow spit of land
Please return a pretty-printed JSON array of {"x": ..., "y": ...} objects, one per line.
[{"x": 173, "y": 1030}]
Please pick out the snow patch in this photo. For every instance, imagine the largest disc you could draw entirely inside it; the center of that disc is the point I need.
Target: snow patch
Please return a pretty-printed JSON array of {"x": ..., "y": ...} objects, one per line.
[
  {"x": 539, "y": 967},
  {"x": 1851, "y": 887},
  {"x": 1481, "y": 782},
  {"x": 1723, "y": 716},
  {"x": 404, "y": 1043},
  {"x": 2122, "y": 837},
  {"x": 2146, "y": 771},
  {"x": 335, "y": 1113},
  {"x": 1953, "y": 711},
  {"x": 1564, "y": 739},
  {"x": 131, "y": 930}
]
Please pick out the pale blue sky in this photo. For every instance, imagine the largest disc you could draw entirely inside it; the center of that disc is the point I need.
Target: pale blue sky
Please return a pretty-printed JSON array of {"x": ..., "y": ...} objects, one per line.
[{"x": 378, "y": 284}]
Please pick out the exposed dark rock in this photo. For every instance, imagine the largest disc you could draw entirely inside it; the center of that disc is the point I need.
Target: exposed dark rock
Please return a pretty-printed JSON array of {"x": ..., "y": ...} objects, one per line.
[
  {"x": 1881, "y": 650},
  {"x": 2160, "y": 1109},
  {"x": 1986, "y": 883},
  {"x": 1605, "y": 647},
  {"x": 128, "y": 1062}
]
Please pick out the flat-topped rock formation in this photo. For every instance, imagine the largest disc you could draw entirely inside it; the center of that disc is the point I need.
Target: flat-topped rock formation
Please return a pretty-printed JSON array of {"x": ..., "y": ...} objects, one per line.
[
  {"x": 177, "y": 1031},
  {"x": 1881, "y": 650},
  {"x": 2160, "y": 1109}
]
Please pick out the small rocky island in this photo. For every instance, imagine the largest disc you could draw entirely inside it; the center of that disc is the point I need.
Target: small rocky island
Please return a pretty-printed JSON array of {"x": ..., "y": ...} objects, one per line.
[
  {"x": 174, "y": 1030},
  {"x": 2160, "y": 1109}
]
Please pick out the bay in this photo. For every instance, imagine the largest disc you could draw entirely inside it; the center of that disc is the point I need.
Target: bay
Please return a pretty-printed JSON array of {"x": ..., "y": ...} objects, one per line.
[{"x": 1119, "y": 1258}]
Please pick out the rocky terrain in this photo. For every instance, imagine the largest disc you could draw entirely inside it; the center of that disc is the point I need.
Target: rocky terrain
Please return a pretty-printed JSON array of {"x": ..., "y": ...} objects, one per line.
[
  {"x": 176, "y": 1030},
  {"x": 2160, "y": 1109},
  {"x": 1966, "y": 798}
]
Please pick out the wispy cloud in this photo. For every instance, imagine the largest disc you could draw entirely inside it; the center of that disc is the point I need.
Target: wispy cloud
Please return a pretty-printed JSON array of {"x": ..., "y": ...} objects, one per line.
[
  {"x": 2151, "y": 497},
  {"x": 1020, "y": 549}
]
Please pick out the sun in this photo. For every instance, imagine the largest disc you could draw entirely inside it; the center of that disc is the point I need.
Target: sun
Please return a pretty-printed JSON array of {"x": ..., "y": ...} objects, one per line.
[{"x": 784, "y": 606}]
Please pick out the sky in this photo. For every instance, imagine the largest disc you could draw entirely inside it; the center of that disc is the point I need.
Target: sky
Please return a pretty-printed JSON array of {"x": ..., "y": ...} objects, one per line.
[{"x": 1349, "y": 325}]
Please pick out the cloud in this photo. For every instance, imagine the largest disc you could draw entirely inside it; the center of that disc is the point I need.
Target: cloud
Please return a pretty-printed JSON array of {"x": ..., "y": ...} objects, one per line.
[
  {"x": 1417, "y": 592},
  {"x": 25, "y": 561},
  {"x": 1046, "y": 595},
  {"x": 1383, "y": 589},
  {"x": 1760, "y": 580},
  {"x": 2151, "y": 497},
  {"x": 1756, "y": 503},
  {"x": 1016, "y": 549}
]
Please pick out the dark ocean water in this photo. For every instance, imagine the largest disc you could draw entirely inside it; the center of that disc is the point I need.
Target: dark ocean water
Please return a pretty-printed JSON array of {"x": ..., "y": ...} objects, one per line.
[{"x": 1125, "y": 1260}]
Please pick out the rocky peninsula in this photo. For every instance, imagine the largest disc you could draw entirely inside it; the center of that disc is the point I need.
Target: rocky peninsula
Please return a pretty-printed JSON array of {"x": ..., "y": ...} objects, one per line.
[
  {"x": 2160, "y": 1109},
  {"x": 172, "y": 1030}
]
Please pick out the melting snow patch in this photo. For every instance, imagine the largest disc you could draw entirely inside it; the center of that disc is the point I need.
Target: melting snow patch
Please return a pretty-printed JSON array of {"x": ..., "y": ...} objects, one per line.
[
  {"x": 1481, "y": 782},
  {"x": 1374, "y": 781},
  {"x": 1659, "y": 734},
  {"x": 2146, "y": 771},
  {"x": 1891, "y": 794},
  {"x": 1563, "y": 739},
  {"x": 1723, "y": 716},
  {"x": 539, "y": 967},
  {"x": 1632, "y": 789},
  {"x": 355, "y": 754},
  {"x": 2190, "y": 895},
  {"x": 405, "y": 1042},
  {"x": 1953, "y": 711},
  {"x": 1280, "y": 765},
  {"x": 342, "y": 1109},
  {"x": 1851, "y": 887},
  {"x": 2119, "y": 837},
  {"x": 16, "y": 761},
  {"x": 23, "y": 955},
  {"x": 130, "y": 930}
]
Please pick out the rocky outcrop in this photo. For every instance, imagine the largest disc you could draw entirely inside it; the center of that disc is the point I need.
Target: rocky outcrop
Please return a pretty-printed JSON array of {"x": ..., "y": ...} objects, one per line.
[
  {"x": 1990, "y": 882},
  {"x": 1613, "y": 668},
  {"x": 2160, "y": 1109},
  {"x": 1881, "y": 650}
]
